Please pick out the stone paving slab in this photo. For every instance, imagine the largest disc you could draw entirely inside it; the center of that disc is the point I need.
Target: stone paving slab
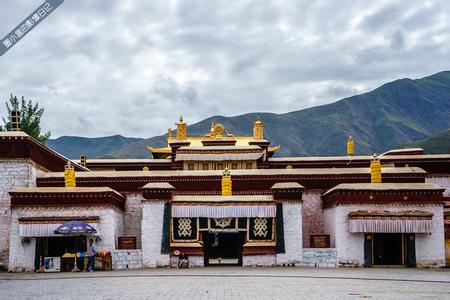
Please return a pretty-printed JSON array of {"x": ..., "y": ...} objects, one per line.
[{"x": 231, "y": 283}]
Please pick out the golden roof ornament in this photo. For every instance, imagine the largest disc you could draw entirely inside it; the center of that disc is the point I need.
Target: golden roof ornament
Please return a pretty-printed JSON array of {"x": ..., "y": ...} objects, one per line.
[
  {"x": 181, "y": 129},
  {"x": 219, "y": 130},
  {"x": 212, "y": 134},
  {"x": 258, "y": 129},
  {"x": 226, "y": 183},
  {"x": 69, "y": 175},
  {"x": 350, "y": 146},
  {"x": 375, "y": 169}
]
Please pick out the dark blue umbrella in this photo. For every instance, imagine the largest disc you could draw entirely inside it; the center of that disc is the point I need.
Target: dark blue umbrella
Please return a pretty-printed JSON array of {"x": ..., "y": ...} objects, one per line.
[{"x": 75, "y": 227}]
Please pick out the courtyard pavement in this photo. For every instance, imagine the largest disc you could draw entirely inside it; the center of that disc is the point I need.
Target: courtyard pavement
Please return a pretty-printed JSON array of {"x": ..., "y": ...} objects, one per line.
[{"x": 231, "y": 283}]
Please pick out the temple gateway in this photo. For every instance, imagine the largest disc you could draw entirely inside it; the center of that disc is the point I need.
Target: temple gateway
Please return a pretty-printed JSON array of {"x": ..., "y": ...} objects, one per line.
[{"x": 221, "y": 199}]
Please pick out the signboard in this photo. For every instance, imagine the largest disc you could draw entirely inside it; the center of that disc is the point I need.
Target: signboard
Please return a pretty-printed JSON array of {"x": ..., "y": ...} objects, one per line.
[
  {"x": 52, "y": 264},
  {"x": 127, "y": 242},
  {"x": 319, "y": 241}
]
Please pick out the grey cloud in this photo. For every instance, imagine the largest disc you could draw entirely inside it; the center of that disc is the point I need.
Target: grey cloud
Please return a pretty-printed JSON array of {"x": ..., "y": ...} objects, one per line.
[
  {"x": 132, "y": 67},
  {"x": 398, "y": 40}
]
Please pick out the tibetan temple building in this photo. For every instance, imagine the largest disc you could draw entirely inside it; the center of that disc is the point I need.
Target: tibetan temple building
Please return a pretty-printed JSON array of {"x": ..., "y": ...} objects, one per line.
[{"x": 224, "y": 199}]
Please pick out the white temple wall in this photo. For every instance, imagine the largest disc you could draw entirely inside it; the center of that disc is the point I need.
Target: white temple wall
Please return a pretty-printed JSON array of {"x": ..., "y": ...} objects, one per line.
[
  {"x": 430, "y": 248},
  {"x": 263, "y": 260},
  {"x": 132, "y": 218},
  {"x": 152, "y": 226},
  {"x": 13, "y": 173},
  {"x": 292, "y": 224},
  {"x": 430, "y": 251},
  {"x": 349, "y": 246},
  {"x": 329, "y": 226},
  {"x": 196, "y": 261},
  {"x": 126, "y": 259},
  {"x": 22, "y": 256},
  {"x": 441, "y": 180}
]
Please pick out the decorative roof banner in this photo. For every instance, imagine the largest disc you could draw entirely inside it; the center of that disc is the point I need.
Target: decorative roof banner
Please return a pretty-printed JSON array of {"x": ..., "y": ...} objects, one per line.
[
  {"x": 217, "y": 156},
  {"x": 229, "y": 211}
]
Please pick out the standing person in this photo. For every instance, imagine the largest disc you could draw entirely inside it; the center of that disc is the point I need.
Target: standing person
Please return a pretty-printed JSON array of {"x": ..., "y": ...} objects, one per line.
[{"x": 91, "y": 256}]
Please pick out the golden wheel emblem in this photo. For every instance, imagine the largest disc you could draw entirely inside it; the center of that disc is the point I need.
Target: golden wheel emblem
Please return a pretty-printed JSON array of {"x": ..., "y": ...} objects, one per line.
[
  {"x": 223, "y": 222},
  {"x": 219, "y": 129}
]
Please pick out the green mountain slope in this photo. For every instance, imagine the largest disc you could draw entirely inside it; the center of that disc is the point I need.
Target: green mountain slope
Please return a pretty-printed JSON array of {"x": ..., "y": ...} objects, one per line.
[
  {"x": 73, "y": 146},
  {"x": 396, "y": 113},
  {"x": 439, "y": 143}
]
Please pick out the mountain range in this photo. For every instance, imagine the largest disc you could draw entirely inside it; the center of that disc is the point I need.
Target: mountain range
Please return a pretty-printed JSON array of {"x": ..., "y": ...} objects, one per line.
[
  {"x": 439, "y": 143},
  {"x": 391, "y": 116}
]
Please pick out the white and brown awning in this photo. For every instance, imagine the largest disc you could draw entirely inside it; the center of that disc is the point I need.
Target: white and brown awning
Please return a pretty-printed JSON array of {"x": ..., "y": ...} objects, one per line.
[
  {"x": 224, "y": 211},
  {"x": 45, "y": 227},
  {"x": 390, "y": 222}
]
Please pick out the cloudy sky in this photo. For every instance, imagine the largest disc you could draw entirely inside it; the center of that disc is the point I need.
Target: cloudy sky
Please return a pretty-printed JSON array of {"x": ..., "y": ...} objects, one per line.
[{"x": 132, "y": 67}]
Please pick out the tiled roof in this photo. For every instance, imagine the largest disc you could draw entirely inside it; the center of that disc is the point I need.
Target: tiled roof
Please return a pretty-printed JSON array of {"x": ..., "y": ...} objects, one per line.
[
  {"x": 287, "y": 185},
  {"x": 385, "y": 187},
  {"x": 242, "y": 172},
  {"x": 62, "y": 190},
  {"x": 158, "y": 185}
]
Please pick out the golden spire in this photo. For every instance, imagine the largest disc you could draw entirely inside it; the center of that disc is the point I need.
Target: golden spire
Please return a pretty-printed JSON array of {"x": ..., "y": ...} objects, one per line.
[
  {"x": 258, "y": 129},
  {"x": 226, "y": 183},
  {"x": 169, "y": 133},
  {"x": 212, "y": 133},
  {"x": 375, "y": 170},
  {"x": 69, "y": 175},
  {"x": 350, "y": 146},
  {"x": 181, "y": 129}
]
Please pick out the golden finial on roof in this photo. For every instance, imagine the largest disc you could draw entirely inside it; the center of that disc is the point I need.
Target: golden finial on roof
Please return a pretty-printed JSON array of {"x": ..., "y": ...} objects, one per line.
[
  {"x": 181, "y": 129},
  {"x": 69, "y": 175},
  {"x": 350, "y": 146},
  {"x": 375, "y": 169},
  {"x": 226, "y": 183},
  {"x": 212, "y": 133},
  {"x": 169, "y": 133},
  {"x": 258, "y": 129}
]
